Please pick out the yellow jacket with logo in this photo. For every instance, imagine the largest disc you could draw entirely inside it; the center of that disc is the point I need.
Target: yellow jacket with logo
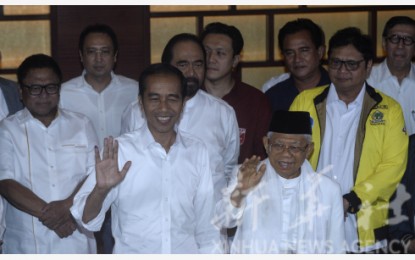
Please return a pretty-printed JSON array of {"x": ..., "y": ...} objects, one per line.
[{"x": 380, "y": 155}]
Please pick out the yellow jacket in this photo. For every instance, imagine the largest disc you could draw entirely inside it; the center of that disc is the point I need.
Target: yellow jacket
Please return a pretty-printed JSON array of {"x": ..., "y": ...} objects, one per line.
[{"x": 380, "y": 155}]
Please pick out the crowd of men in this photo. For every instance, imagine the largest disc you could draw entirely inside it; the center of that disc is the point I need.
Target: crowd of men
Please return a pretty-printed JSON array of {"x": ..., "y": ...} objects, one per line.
[{"x": 190, "y": 159}]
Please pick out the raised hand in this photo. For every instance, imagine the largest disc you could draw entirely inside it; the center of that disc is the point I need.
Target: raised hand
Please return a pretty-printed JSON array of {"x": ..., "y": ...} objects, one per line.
[
  {"x": 248, "y": 178},
  {"x": 107, "y": 173}
]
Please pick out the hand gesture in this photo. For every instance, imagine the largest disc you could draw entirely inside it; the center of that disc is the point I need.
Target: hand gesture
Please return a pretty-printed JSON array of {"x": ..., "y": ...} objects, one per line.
[
  {"x": 107, "y": 173},
  {"x": 55, "y": 214},
  {"x": 66, "y": 229},
  {"x": 248, "y": 178}
]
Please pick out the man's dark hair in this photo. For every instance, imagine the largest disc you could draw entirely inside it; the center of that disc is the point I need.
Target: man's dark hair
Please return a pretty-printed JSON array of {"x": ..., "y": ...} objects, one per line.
[
  {"x": 395, "y": 21},
  {"x": 353, "y": 36},
  {"x": 37, "y": 61},
  {"x": 161, "y": 69},
  {"x": 302, "y": 24},
  {"x": 98, "y": 28},
  {"x": 228, "y": 30},
  {"x": 167, "y": 55}
]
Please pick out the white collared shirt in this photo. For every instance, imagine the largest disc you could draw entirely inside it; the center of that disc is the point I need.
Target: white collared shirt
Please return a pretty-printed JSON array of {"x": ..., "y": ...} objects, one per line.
[
  {"x": 103, "y": 109},
  {"x": 51, "y": 162},
  {"x": 165, "y": 203},
  {"x": 301, "y": 215},
  {"x": 210, "y": 119},
  {"x": 382, "y": 79},
  {"x": 337, "y": 148},
  {"x": 4, "y": 111}
]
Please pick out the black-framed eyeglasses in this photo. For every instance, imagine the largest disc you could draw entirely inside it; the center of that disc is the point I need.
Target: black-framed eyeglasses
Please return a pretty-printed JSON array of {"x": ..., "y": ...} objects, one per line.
[
  {"x": 395, "y": 39},
  {"x": 36, "y": 90},
  {"x": 279, "y": 148},
  {"x": 350, "y": 65}
]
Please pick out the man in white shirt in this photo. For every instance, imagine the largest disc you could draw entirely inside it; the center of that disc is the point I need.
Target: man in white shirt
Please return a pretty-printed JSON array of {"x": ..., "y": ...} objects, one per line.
[
  {"x": 204, "y": 116},
  {"x": 44, "y": 156},
  {"x": 281, "y": 205},
  {"x": 100, "y": 94},
  {"x": 395, "y": 76},
  {"x": 165, "y": 203}
]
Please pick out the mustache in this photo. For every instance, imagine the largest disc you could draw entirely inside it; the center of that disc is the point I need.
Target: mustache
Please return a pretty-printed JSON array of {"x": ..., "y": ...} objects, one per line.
[{"x": 192, "y": 80}]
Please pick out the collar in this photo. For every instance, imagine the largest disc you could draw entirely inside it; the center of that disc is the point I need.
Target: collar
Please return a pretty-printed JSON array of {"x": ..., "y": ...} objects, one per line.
[
  {"x": 25, "y": 116},
  {"x": 114, "y": 80},
  {"x": 387, "y": 74}
]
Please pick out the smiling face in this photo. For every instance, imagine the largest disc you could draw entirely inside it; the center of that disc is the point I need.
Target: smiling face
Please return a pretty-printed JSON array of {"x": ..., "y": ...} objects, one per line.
[
  {"x": 220, "y": 57},
  {"x": 399, "y": 56},
  {"x": 44, "y": 106},
  {"x": 162, "y": 103},
  {"x": 301, "y": 57},
  {"x": 287, "y": 164}
]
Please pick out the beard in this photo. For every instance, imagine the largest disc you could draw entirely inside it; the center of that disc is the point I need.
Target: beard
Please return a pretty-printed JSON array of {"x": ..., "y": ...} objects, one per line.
[{"x": 193, "y": 86}]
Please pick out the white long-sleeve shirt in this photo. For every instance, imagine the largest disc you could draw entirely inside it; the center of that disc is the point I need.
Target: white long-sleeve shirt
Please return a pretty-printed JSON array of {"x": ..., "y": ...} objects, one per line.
[
  {"x": 302, "y": 215},
  {"x": 103, "y": 109},
  {"x": 165, "y": 203},
  {"x": 210, "y": 119},
  {"x": 4, "y": 111},
  {"x": 382, "y": 79},
  {"x": 51, "y": 162}
]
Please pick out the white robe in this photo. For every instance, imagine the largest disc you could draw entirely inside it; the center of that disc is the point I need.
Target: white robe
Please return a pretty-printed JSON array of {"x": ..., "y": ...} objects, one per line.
[{"x": 318, "y": 226}]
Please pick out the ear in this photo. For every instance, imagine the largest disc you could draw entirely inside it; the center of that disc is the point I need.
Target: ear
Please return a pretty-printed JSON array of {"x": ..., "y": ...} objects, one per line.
[
  {"x": 80, "y": 56},
  {"x": 265, "y": 142},
  {"x": 384, "y": 44},
  {"x": 236, "y": 60},
  {"x": 309, "y": 150},
  {"x": 321, "y": 51},
  {"x": 115, "y": 56},
  {"x": 369, "y": 68}
]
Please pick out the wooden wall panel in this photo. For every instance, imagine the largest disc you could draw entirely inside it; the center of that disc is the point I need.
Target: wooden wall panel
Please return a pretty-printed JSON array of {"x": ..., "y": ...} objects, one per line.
[{"x": 130, "y": 23}]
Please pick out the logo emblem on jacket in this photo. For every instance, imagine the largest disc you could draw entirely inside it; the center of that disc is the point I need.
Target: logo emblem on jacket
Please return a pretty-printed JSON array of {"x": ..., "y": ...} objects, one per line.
[
  {"x": 242, "y": 133},
  {"x": 377, "y": 118}
]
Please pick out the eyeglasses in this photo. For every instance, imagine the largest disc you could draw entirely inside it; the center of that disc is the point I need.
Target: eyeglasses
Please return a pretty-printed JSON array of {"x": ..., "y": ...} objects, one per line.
[
  {"x": 36, "y": 90},
  {"x": 395, "y": 39},
  {"x": 350, "y": 65},
  {"x": 279, "y": 148},
  {"x": 92, "y": 52}
]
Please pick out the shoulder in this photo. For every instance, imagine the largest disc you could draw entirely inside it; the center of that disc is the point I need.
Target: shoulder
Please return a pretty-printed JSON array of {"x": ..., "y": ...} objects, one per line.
[
  {"x": 72, "y": 81},
  {"x": 7, "y": 83},
  {"x": 308, "y": 94},
  {"x": 73, "y": 116},
  {"x": 274, "y": 80},
  {"x": 214, "y": 102},
  {"x": 126, "y": 82},
  {"x": 251, "y": 90}
]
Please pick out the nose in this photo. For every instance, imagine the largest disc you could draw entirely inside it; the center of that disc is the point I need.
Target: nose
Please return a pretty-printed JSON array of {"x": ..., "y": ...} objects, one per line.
[
  {"x": 163, "y": 106},
  {"x": 342, "y": 67},
  {"x": 400, "y": 43},
  {"x": 98, "y": 55},
  {"x": 190, "y": 71},
  {"x": 210, "y": 57}
]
